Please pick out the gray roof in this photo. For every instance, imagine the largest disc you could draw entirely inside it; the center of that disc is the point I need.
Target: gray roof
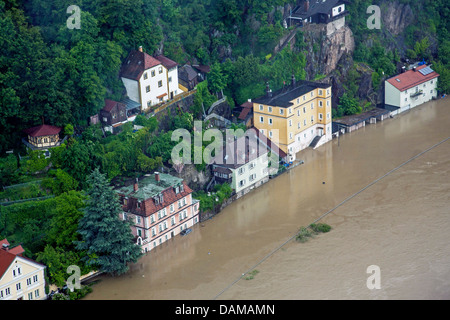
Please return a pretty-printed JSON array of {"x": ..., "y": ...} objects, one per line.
[
  {"x": 317, "y": 6},
  {"x": 149, "y": 187},
  {"x": 284, "y": 96}
]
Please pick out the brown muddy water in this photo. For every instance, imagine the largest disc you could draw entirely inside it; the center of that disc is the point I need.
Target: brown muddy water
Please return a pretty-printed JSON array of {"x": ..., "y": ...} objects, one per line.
[{"x": 400, "y": 223}]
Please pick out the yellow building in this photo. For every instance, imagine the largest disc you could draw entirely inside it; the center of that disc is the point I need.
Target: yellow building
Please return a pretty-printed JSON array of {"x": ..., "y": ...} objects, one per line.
[
  {"x": 297, "y": 116},
  {"x": 20, "y": 278}
]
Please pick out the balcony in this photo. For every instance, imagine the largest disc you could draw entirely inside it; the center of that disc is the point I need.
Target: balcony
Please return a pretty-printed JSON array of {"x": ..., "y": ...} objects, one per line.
[{"x": 416, "y": 94}]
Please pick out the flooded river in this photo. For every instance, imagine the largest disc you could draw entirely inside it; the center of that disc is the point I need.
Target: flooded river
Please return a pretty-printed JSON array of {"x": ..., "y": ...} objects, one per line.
[{"x": 400, "y": 223}]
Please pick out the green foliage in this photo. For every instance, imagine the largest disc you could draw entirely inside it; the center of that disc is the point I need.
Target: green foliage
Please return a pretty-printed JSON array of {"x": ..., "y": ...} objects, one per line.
[
  {"x": 347, "y": 106},
  {"x": 320, "y": 227},
  {"x": 107, "y": 240}
]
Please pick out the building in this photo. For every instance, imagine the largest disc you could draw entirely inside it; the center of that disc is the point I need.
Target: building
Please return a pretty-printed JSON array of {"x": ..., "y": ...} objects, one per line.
[
  {"x": 113, "y": 113},
  {"x": 246, "y": 114},
  {"x": 243, "y": 164},
  {"x": 410, "y": 89},
  {"x": 160, "y": 206},
  {"x": 295, "y": 115},
  {"x": 188, "y": 77},
  {"x": 149, "y": 80},
  {"x": 319, "y": 11},
  {"x": 357, "y": 121},
  {"x": 20, "y": 278},
  {"x": 43, "y": 137}
]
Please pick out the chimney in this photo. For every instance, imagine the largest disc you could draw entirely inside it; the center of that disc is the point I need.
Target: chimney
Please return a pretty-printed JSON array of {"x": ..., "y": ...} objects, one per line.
[
  {"x": 136, "y": 185},
  {"x": 268, "y": 91},
  {"x": 306, "y": 6},
  {"x": 293, "y": 80},
  {"x": 157, "y": 178},
  {"x": 403, "y": 69},
  {"x": 5, "y": 247},
  {"x": 414, "y": 69},
  {"x": 140, "y": 49}
]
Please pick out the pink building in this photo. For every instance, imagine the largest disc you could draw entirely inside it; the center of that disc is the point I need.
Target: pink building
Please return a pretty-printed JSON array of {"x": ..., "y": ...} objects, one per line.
[{"x": 160, "y": 206}]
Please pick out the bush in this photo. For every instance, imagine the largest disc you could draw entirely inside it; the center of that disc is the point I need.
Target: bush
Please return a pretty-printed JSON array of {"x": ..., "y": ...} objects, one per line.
[
  {"x": 320, "y": 227},
  {"x": 304, "y": 234}
]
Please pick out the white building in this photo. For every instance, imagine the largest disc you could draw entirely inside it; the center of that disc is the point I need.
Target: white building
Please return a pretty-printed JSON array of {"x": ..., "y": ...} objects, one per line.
[
  {"x": 20, "y": 278},
  {"x": 149, "y": 80},
  {"x": 244, "y": 164},
  {"x": 410, "y": 89}
]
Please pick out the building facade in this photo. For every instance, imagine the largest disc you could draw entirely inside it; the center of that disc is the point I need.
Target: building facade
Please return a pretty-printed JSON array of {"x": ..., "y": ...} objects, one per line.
[
  {"x": 244, "y": 164},
  {"x": 410, "y": 89},
  {"x": 20, "y": 278},
  {"x": 295, "y": 115},
  {"x": 149, "y": 80},
  {"x": 159, "y": 206}
]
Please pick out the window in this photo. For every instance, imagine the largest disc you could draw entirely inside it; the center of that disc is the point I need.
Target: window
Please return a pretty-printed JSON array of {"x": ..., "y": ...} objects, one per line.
[
  {"x": 298, "y": 112},
  {"x": 312, "y": 105},
  {"x": 159, "y": 83},
  {"x": 149, "y": 103},
  {"x": 328, "y": 115},
  {"x": 270, "y": 121},
  {"x": 241, "y": 170},
  {"x": 261, "y": 107},
  {"x": 252, "y": 164},
  {"x": 35, "y": 278},
  {"x": 270, "y": 109},
  {"x": 152, "y": 218},
  {"x": 153, "y": 73},
  {"x": 261, "y": 119},
  {"x": 30, "y": 296},
  {"x": 298, "y": 125},
  {"x": 36, "y": 293},
  {"x": 160, "y": 69},
  {"x": 290, "y": 123},
  {"x": 147, "y": 89},
  {"x": 304, "y": 98},
  {"x": 328, "y": 91},
  {"x": 28, "y": 281},
  {"x": 153, "y": 232},
  {"x": 304, "y": 122},
  {"x": 320, "y": 116},
  {"x": 241, "y": 183},
  {"x": 312, "y": 93},
  {"x": 290, "y": 110},
  {"x": 252, "y": 177},
  {"x": 290, "y": 135},
  {"x": 320, "y": 104},
  {"x": 320, "y": 92},
  {"x": 172, "y": 208},
  {"x": 328, "y": 103},
  {"x": 18, "y": 286},
  {"x": 138, "y": 219},
  {"x": 173, "y": 220},
  {"x": 170, "y": 79},
  {"x": 312, "y": 118},
  {"x": 270, "y": 134},
  {"x": 281, "y": 111},
  {"x": 145, "y": 76}
]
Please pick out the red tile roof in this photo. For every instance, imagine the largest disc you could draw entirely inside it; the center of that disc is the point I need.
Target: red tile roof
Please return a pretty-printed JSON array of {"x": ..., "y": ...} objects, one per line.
[
  {"x": 8, "y": 255},
  {"x": 136, "y": 63},
  {"x": 43, "y": 130},
  {"x": 244, "y": 113},
  {"x": 166, "y": 62},
  {"x": 411, "y": 78},
  {"x": 110, "y": 104},
  {"x": 169, "y": 196}
]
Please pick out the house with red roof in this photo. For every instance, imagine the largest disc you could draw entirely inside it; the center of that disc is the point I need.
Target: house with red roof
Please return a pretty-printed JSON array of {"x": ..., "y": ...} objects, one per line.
[
  {"x": 20, "y": 278},
  {"x": 410, "y": 89},
  {"x": 42, "y": 137},
  {"x": 149, "y": 80},
  {"x": 160, "y": 207}
]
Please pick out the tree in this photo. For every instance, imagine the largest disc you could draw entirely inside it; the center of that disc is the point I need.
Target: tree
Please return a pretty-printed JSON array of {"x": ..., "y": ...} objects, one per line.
[
  {"x": 107, "y": 240},
  {"x": 217, "y": 81}
]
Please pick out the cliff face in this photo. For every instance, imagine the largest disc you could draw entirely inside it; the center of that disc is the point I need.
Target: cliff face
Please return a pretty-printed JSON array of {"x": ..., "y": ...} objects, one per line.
[
  {"x": 396, "y": 16},
  {"x": 325, "y": 46}
]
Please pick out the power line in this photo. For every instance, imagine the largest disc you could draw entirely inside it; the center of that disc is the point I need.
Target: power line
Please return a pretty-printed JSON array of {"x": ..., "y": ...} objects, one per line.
[{"x": 331, "y": 210}]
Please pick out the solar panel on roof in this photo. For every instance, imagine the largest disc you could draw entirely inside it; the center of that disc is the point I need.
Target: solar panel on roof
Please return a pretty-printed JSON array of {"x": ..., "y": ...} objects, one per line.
[{"x": 426, "y": 71}]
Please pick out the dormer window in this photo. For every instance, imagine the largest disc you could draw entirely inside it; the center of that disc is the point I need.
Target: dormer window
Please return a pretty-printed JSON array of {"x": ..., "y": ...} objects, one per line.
[
  {"x": 177, "y": 190},
  {"x": 181, "y": 188}
]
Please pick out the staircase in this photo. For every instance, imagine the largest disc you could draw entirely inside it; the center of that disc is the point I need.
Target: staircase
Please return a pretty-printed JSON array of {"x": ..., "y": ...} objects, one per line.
[{"x": 315, "y": 141}]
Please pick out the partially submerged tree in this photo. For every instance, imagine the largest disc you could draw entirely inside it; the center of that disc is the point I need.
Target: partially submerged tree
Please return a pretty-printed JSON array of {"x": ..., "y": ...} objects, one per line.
[{"x": 106, "y": 238}]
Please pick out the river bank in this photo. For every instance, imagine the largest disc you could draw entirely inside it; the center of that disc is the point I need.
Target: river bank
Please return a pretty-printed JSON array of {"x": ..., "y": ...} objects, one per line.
[{"x": 400, "y": 224}]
